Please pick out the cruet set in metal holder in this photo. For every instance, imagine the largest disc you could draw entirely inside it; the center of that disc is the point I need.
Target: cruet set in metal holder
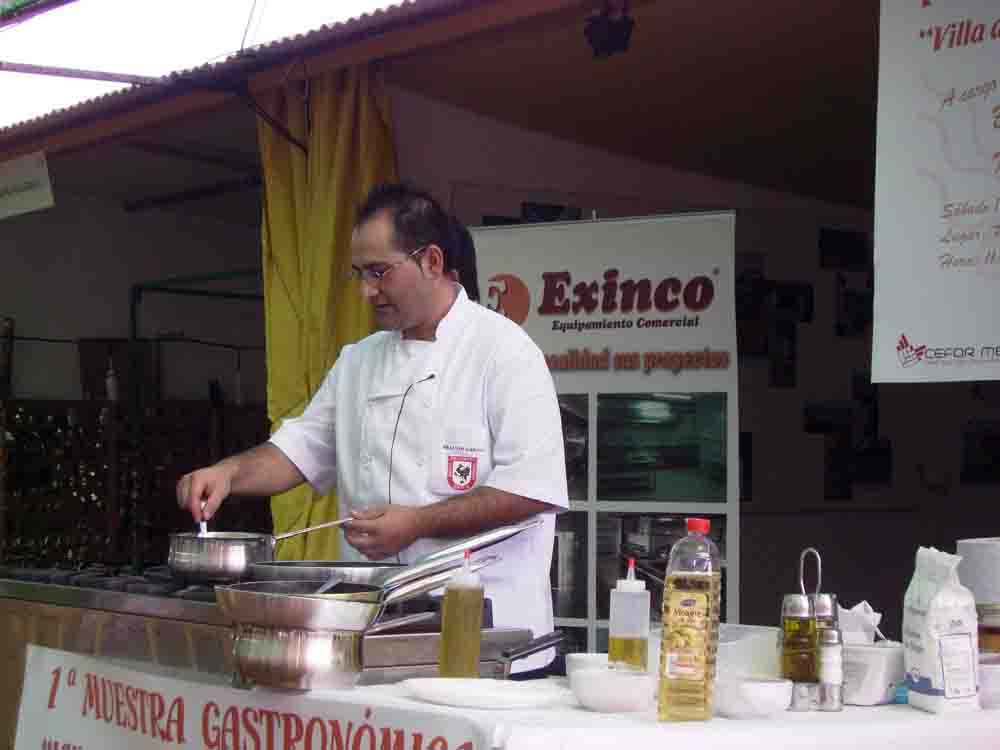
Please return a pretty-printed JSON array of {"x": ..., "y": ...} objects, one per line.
[{"x": 817, "y": 674}]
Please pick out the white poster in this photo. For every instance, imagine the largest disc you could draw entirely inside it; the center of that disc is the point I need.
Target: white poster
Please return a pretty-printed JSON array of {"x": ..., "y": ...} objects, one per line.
[
  {"x": 937, "y": 192},
  {"x": 74, "y": 702},
  {"x": 636, "y": 319},
  {"x": 24, "y": 185}
]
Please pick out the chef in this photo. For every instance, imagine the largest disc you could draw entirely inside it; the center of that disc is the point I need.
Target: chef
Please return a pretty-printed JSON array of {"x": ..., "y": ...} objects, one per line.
[{"x": 443, "y": 424}]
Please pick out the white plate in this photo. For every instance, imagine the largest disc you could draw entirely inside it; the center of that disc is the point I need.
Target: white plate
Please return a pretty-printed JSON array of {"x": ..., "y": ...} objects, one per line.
[{"x": 486, "y": 693}]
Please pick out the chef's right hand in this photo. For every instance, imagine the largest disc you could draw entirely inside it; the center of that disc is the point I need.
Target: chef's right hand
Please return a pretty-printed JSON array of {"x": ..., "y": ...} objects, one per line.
[{"x": 201, "y": 492}]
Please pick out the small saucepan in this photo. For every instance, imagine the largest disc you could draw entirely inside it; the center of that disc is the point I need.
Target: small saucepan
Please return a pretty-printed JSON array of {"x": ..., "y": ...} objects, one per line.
[{"x": 226, "y": 556}]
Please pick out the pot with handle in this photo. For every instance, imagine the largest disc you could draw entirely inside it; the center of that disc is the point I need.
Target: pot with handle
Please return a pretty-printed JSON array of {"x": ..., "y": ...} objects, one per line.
[
  {"x": 297, "y": 659},
  {"x": 225, "y": 556}
]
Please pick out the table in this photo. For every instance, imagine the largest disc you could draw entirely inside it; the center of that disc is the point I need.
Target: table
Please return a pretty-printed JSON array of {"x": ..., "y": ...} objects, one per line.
[{"x": 855, "y": 728}]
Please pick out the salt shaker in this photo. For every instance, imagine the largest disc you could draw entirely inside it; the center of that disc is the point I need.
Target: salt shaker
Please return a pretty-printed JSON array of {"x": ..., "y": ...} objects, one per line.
[{"x": 831, "y": 670}]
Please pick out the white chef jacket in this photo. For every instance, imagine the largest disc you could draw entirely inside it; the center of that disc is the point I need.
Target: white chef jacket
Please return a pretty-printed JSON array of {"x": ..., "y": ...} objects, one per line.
[{"x": 488, "y": 416}]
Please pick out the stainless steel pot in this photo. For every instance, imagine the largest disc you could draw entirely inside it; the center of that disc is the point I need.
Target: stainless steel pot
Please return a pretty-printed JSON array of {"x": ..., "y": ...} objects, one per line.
[
  {"x": 294, "y": 659},
  {"x": 374, "y": 572},
  {"x": 225, "y": 556}
]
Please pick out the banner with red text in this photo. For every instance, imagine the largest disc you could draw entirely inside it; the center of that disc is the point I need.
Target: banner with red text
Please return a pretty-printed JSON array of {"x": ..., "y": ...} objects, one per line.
[
  {"x": 637, "y": 321},
  {"x": 937, "y": 192},
  {"x": 74, "y": 702}
]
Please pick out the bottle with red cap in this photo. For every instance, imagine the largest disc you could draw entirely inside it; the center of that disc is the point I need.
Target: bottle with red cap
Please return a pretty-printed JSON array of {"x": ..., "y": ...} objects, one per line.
[
  {"x": 628, "y": 626},
  {"x": 691, "y": 603}
]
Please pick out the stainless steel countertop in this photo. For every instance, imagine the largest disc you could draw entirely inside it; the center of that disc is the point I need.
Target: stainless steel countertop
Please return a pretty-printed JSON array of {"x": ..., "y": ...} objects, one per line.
[
  {"x": 166, "y": 607},
  {"x": 388, "y": 657}
]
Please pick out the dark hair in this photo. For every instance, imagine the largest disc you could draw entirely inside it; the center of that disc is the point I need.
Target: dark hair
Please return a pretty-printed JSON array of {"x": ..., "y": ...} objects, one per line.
[
  {"x": 417, "y": 218},
  {"x": 464, "y": 258}
]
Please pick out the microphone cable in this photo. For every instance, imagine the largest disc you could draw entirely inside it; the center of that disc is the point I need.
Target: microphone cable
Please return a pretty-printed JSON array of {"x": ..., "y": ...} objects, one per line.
[{"x": 395, "y": 427}]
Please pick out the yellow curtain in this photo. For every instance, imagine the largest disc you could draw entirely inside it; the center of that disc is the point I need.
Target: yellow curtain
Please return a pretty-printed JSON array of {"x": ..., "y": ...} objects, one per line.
[{"x": 309, "y": 205}]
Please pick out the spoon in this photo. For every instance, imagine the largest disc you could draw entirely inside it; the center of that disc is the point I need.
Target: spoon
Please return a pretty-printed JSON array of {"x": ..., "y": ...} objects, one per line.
[{"x": 203, "y": 525}]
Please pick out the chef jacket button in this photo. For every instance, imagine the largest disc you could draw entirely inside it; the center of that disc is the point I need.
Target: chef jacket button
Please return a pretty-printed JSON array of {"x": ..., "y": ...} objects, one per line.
[
  {"x": 427, "y": 403},
  {"x": 420, "y": 462}
]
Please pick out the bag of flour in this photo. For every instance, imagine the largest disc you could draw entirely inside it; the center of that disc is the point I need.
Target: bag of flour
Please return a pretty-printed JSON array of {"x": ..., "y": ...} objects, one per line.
[{"x": 940, "y": 636}]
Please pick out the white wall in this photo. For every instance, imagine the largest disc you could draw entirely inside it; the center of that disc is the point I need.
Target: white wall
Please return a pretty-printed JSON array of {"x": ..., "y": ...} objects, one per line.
[
  {"x": 471, "y": 163},
  {"x": 66, "y": 273}
]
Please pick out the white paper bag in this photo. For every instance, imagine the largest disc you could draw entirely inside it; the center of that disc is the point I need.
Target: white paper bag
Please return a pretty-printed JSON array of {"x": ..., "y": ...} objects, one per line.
[{"x": 940, "y": 636}]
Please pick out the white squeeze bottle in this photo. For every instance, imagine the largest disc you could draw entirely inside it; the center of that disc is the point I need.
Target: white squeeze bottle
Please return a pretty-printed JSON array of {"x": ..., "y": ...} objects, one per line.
[
  {"x": 628, "y": 629},
  {"x": 691, "y": 602},
  {"x": 461, "y": 623}
]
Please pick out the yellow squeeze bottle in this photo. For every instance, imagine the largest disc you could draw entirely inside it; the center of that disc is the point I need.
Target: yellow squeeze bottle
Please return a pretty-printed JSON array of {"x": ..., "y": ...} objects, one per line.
[{"x": 461, "y": 624}]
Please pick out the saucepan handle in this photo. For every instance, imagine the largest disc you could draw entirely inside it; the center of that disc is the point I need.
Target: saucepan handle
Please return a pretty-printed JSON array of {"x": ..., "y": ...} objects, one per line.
[
  {"x": 429, "y": 583},
  {"x": 479, "y": 541},
  {"x": 398, "y": 622},
  {"x": 418, "y": 571},
  {"x": 531, "y": 647},
  {"x": 297, "y": 532},
  {"x": 451, "y": 557}
]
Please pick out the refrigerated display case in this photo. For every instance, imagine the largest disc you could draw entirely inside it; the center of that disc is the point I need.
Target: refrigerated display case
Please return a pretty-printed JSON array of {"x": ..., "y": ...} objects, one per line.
[{"x": 653, "y": 460}]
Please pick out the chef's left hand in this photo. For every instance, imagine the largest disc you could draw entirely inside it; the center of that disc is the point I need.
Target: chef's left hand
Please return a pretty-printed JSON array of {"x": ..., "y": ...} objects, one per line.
[{"x": 382, "y": 533}]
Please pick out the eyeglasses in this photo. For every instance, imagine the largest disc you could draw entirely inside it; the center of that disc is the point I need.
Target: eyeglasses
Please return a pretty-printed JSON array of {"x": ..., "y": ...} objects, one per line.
[{"x": 375, "y": 275}]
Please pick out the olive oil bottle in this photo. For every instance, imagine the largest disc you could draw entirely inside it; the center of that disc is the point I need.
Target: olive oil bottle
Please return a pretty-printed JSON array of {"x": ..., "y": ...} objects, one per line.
[
  {"x": 691, "y": 603},
  {"x": 461, "y": 624},
  {"x": 628, "y": 628}
]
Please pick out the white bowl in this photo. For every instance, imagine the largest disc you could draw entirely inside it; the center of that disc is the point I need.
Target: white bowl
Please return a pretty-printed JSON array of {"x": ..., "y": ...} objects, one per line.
[
  {"x": 612, "y": 691},
  {"x": 989, "y": 680},
  {"x": 585, "y": 661},
  {"x": 751, "y": 697}
]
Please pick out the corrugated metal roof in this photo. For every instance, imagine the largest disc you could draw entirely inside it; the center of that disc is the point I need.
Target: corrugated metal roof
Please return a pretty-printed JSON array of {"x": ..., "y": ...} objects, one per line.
[{"x": 236, "y": 66}]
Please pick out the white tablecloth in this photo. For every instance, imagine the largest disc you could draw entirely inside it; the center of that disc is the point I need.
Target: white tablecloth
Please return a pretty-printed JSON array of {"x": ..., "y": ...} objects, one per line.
[
  {"x": 568, "y": 725},
  {"x": 572, "y": 727}
]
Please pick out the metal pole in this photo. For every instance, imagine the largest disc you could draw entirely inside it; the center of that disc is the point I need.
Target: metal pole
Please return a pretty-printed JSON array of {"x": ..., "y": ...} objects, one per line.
[{"x": 90, "y": 75}]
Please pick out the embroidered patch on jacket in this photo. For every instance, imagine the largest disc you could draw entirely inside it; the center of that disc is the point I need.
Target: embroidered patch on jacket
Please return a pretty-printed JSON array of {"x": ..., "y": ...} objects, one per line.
[{"x": 462, "y": 471}]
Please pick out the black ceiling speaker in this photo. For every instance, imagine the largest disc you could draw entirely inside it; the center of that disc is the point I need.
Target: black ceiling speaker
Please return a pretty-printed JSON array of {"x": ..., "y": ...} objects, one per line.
[{"x": 609, "y": 32}]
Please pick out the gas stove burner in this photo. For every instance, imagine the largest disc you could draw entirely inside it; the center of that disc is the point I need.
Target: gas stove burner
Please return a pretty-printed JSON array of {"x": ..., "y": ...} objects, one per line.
[
  {"x": 154, "y": 581},
  {"x": 195, "y": 593},
  {"x": 152, "y": 588}
]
